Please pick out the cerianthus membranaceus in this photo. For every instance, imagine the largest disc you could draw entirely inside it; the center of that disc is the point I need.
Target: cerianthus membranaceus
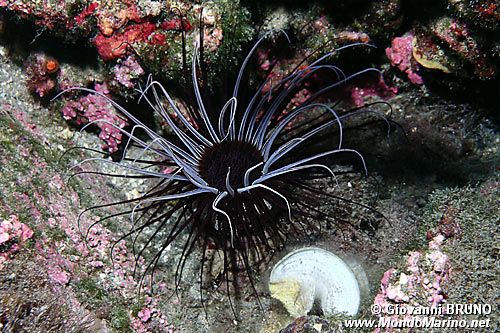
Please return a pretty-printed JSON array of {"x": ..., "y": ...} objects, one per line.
[{"x": 239, "y": 178}]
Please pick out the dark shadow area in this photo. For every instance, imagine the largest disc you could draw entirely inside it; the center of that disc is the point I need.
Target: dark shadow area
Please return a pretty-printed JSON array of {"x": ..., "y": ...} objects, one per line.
[{"x": 22, "y": 37}]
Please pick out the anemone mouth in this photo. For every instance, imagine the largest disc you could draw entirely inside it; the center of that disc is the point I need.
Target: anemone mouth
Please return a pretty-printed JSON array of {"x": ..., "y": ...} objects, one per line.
[{"x": 227, "y": 162}]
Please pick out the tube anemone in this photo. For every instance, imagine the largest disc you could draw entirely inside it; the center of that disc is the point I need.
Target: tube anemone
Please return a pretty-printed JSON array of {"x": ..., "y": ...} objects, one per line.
[{"x": 240, "y": 178}]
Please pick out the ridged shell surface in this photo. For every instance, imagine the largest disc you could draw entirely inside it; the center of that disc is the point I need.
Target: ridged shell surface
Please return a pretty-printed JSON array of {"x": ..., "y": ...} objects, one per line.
[{"x": 310, "y": 274}]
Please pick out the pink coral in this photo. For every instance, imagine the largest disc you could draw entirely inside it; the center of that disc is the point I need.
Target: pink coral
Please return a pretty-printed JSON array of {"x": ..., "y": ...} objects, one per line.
[
  {"x": 60, "y": 268},
  {"x": 59, "y": 276},
  {"x": 96, "y": 108},
  {"x": 144, "y": 314},
  {"x": 13, "y": 229},
  {"x": 12, "y": 234},
  {"x": 401, "y": 54},
  {"x": 423, "y": 282},
  {"x": 127, "y": 72},
  {"x": 4, "y": 237}
]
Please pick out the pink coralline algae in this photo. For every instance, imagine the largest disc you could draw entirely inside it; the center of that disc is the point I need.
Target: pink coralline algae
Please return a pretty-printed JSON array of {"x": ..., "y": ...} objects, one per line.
[
  {"x": 358, "y": 92},
  {"x": 13, "y": 234},
  {"x": 420, "y": 284},
  {"x": 400, "y": 55},
  {"x": 149, "y": 313},
  {"x": 42, "y": 73},
  {"x": 51, "y": 206},
  {"x": 127, "y": 72},
  {"x": 94, "y": 256},
  {"x": 144, "y": 314},
  {"x": 60, "y": 268},
  {"x": 93, "y": 107}
]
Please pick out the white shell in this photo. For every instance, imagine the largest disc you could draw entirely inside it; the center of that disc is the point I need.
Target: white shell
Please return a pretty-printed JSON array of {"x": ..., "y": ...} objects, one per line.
[{"x": 310, "y": 274}]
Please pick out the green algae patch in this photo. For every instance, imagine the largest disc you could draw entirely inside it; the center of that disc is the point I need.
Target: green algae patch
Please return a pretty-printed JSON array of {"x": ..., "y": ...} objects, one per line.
[{"x": 469, "y": 216}]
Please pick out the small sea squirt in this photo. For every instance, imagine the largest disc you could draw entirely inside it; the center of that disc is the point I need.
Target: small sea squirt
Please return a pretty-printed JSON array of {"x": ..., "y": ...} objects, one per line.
[{"x": 310, "y": 275}]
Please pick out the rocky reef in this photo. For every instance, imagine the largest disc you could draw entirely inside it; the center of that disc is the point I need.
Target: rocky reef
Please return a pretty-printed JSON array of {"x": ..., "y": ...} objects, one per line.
[{"x": 435, "y": 177}]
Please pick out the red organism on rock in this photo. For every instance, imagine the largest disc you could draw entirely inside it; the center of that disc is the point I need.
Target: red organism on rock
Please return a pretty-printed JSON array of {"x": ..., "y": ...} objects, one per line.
[
  {"x": 400, "y": 55},
  {"x": 51, "y": 65},
  {"x": 118, "y": 45},
  {"x": 158, "y": 39},
  {"x": 177, "y": 24},
  {"x": 448, "y": 226},
  {"x": 42, "y": 73},
  {"x": 359, "y": 91},
  {"x": 487, "y": 9},
  {"x": 88, "y": 11}
]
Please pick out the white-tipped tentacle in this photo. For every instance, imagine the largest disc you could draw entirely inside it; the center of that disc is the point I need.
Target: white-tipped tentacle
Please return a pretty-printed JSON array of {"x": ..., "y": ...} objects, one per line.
[
  {"x": 219, "y": 197},
  {"x": 246, "y": 178},
  {"x": 186, "y": 140},
  {"x": 129, "y": 140},
  {"x": 120, "y": 108},
  {"x": 275, "y": 174},
  {"x": 290, "y": 145},
  {"x": 166, "y": 198},
  {"x": 230, "y": 190},
  {"x": 250, "y": 187},
  {"x": 297, "y": 80},
  {"x": 168, "y": 147},
  {"x": 297, "y": 76},
  {"x": 278, "y": 153},
  {"x": 122, "y": 131},
  {"x": 378, "y": 113},
  {"x": 191, "y": 174},
  {"x": 267, "y": 146},
  {"x": 232, "y": 101},
  {"x": 231, "y": 129},
  {"x": 249, "y": 55},
  {"x": 150, "y": 132},
  {"x": 128, "y": 167},
  {"x": 148, "y": 147},
  {"x": 181, "y": 116},
  {"x": 320, "y": 155},
  {"x": 203, "y": 111},
  {"x": 336, "y": 84}
]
